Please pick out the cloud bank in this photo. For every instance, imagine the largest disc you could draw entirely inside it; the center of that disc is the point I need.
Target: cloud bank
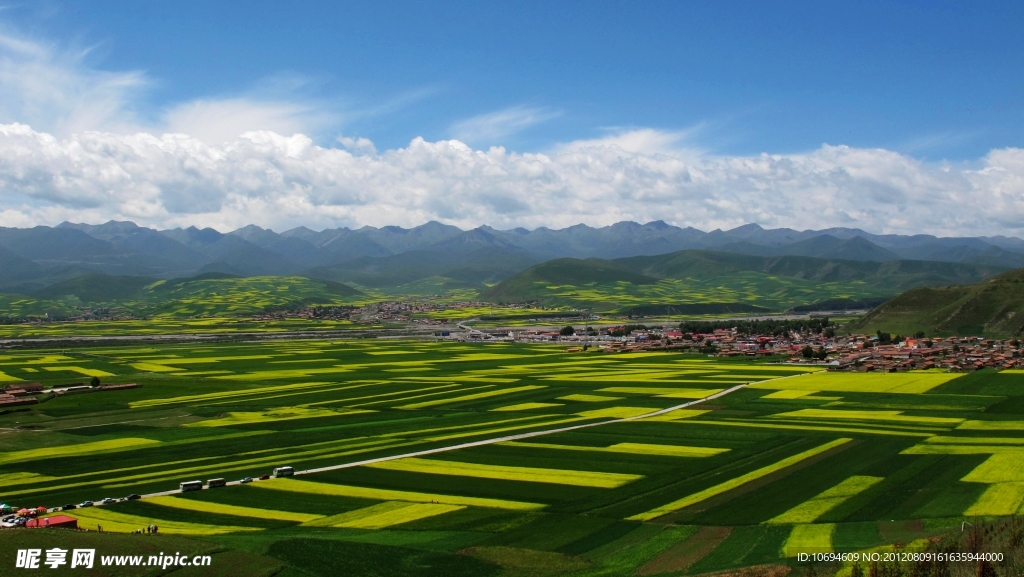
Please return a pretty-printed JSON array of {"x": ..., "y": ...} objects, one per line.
[{"x": 281, "y": 181}]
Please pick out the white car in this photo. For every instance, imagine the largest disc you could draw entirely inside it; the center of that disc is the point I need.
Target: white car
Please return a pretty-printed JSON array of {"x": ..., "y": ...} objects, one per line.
[
  {"x": 9, "y": 521},
  {"x": 108, "y": 501}
]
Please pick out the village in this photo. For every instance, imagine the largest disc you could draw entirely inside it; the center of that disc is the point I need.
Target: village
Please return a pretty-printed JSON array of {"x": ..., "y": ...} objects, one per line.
[{"x": 863, "y": 353}]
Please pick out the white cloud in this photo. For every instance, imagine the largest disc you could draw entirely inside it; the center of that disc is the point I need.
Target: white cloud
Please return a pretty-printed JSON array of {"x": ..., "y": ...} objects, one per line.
[
  {"x": 54, "y": 90},
  {"x": 493, "y": 126},
  {"x": 57, "y": 91},
  {"x": 643, "y": 141},
  {"x": 283, "y": 181},
  {"x": 217, "y": 121}
]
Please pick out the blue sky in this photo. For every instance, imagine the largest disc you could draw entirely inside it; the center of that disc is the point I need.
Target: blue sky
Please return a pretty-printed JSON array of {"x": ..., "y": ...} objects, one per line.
[
  {"x": 931, "y": 79},
  {"x": 899, "y": 117}
]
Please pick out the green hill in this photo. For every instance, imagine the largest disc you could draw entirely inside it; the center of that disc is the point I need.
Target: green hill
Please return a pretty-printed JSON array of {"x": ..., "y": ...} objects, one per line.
[
  {"x": 721, "y": 282},
  {"x": 209, "y": 294},
  {"x": 535, "y": 283},
  {"x": 993, "y": 308},
  {"x": 97, "y": 288}
]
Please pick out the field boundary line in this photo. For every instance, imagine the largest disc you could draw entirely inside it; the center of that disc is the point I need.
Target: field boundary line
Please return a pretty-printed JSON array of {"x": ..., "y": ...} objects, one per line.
[
  {"x": 516, "y": 437},
  {"x": 532, "y": 434}
]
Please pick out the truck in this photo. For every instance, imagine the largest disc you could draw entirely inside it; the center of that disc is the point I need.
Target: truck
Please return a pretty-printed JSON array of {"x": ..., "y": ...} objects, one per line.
[
  {"x": 284, "y": 471},
  {"x": 214, "y": 483},
  {"x": 191, "y": 486}
]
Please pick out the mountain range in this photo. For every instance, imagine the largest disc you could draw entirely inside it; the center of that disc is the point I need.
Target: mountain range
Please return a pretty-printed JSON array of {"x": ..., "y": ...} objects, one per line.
[{"x": 436, "y": 254}]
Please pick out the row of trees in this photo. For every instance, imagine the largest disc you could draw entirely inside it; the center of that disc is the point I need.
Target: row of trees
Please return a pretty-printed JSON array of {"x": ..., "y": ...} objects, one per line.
[{"x": 774, "y": 327}]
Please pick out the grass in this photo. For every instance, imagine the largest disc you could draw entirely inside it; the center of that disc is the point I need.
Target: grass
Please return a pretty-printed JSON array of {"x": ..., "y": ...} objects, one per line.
[{"x": 508, "y": 473}]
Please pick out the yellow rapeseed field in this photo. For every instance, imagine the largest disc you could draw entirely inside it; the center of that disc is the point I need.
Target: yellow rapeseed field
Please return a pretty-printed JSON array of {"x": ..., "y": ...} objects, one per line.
[
  {"x": 809, "y": 539},
  {"x": 527, "y": 406},
  {"x": 315, "y": 488},
  {"x": 809, "y": 511},
  {"x": 579, "y": 398},
  {"x": 236, "y": 510},
  {"x": 999, "y": 499},
  {"x": 735, "y": 482},
  {"x": 509, "y": 473},
  {"x": 616, "y": 412},
  {"x": 383, "y": 515},
  {"x": 124, "y": 444},
  {"x": 999, "y": 468},
  {"x": 886, "y": 416},
  {"x": 123, "y": 523},
  {"x": 629, "y": 448},
  {"x": 273, "y": 415},
  {"x": 667, "y": 392},
  {"x": 473, "y": 397},
  {"x": 913, "y": 382}
]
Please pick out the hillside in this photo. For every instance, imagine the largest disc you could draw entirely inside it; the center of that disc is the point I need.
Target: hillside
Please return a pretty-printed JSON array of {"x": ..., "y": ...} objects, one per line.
[
  {"x": 992, "y": 308},
  {"x": 435, "y": 270},
  {"x": 209, "y": 294},
  {"x": 97, "y": 288},
  {"x": 732, "y": 282}
]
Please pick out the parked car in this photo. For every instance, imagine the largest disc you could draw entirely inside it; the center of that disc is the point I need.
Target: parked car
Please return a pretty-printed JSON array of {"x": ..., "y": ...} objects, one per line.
[
  {"x": 85, "y": 504},
  {"x": 246, "y": 480},
  {"x": 68, "y": 507},
  {"x": 264, "y": 477},
  {"x": 132, "y": 497},
  {"x": 13, "y": 521},
  {"x": 108, "y": 501}
]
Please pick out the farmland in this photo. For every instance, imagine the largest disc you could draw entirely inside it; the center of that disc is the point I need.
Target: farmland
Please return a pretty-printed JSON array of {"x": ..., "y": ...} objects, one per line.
[{"x": 794, "y": 460}]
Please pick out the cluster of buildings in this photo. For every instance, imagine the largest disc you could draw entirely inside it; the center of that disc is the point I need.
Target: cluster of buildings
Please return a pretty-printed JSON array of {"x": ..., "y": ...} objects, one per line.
[
  {"x": 864, "y": 353},
  {"x": 838, "y": 353}
]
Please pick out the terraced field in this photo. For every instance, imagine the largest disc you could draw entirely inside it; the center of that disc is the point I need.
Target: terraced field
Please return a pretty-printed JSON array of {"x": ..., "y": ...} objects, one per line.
[{"x": 794, "y": 461}]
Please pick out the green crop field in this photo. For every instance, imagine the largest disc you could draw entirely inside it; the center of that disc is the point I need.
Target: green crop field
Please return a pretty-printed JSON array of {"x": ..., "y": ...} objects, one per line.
[
  {"x": 793, "y": 460},
  {"x": 757, "y": 289}
]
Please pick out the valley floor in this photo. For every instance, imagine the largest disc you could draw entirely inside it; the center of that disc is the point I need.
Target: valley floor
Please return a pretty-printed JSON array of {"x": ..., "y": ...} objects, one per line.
[{"x": 794, "y": 460}]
